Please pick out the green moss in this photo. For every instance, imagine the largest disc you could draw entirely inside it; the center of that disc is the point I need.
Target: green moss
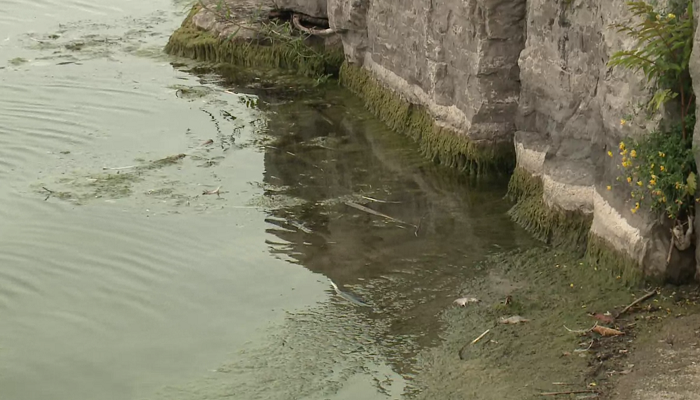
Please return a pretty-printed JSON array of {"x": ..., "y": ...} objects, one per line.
[
  {"x": 192, "y": 42},
  {"x": 605, "y": 257},
  {"x": 561, "y": 228},
  {"x": 443, "y": 145}
]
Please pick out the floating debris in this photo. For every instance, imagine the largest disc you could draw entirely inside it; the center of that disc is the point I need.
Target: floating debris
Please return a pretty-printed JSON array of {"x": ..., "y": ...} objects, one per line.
[
  {"x": 515, "y": 319},
  {"x": 463, "y": 301}
]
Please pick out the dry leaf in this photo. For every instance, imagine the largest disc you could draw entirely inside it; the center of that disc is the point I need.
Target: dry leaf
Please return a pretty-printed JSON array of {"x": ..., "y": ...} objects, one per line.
[
  {"x": 603, "y": 331},
  {"x": 606, "y": 319}
]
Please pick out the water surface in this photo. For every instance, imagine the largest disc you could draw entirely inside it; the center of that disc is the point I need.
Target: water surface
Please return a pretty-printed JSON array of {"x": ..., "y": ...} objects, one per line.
[{"x": 120, "y": 279}]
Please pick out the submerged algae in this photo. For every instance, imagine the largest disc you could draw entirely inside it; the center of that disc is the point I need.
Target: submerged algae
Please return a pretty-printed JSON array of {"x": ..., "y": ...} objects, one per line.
[
  {"x": 566, "y": 229},
  {"x": 551, "y": 225},
  {"x": 441, "y": 144}
]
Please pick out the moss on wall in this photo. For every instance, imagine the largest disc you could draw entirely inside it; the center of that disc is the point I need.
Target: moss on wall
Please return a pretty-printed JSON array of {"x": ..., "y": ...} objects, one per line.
[
  {"x": 604, "y": 256},
  {"x": 191, "y": 42},
  {"x": 441, "y": 144},
  {"x": 552, "y": 225}
]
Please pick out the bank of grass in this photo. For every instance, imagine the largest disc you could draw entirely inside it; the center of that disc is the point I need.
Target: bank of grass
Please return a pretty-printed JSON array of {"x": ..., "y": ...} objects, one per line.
[
  {"x": 553, "y": 289},
  {"x": 272, "y": 45},
  {"x": 440, "y": 144}
]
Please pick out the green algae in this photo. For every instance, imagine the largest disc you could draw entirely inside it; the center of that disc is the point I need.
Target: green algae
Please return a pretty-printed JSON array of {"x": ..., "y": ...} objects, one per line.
[
  {"x": 441, "y": 144},
  {"x": 553, "y": 289},
  {"x": 552, "y": 225},
  {"x": 619, "y": 265},
  {"x": 305, "y": 59}
]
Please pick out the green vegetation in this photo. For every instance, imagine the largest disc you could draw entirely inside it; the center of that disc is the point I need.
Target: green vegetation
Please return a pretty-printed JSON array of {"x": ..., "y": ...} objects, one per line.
[
  {"x": 560, "y": 228},
  {"x": 440, "y": 144},
  {"x": 659, "y": 167},
  {"x": 257, "y": 41}
]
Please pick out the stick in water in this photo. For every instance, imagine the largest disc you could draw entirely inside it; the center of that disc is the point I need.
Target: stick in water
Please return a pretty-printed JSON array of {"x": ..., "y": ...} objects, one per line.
[
  {"x": 480, "y": 336},
  {"x": 568, "y": 392}
]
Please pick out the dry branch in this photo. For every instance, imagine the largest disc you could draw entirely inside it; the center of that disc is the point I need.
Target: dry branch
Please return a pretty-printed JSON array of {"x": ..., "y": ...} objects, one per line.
[{"x": 639, "y": 300}]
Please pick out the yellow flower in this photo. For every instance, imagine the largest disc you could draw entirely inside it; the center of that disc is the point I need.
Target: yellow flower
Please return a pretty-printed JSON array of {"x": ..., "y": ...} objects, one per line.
[
  {"x": 633, "y": 153},
  {"x": 623, "y": 121},
  {"x": 662, "y": 154},
  {"x": 609, "y": 187},
  {"x": 634, "y": 210},
  {"x": 661, "y": 167},
  {"x": 610, "y": 153},
  {"x": 622, "y": 146},
  {"x": 623, "y": 152},
  {"x": 678, "y": 185},
  {"x": 629, "y": 179},
  {"x": 571, "y": 285},
  {"x": 671, "y": 16},
  {"x": 639, "y": 183},
  {"x": 632, "y": 194},
  {"x": 636, "y": 205},
  {"x": 652, "y": 182},
  {"x": 652, "y": 166},
  {"x": 663, "y": 200}
]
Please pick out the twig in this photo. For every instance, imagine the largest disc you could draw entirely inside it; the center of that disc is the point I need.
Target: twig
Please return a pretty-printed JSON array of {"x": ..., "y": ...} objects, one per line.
[
  {"x": 569, "y": 392},
  {"x": 480, "y": 336},
  {"x": 670, "y": 249},
  {"x": 582, "y": 332},
  {"x": 563, "y": 384},
  {"x": 118, "y": 168},
  {"x": 380, "y": 201},
  {"x": 215, "y": 191},
  {"x": 48, "y": 190},
  {"x": 639, "y": 300},
  {"x": 378, "y": 214}
]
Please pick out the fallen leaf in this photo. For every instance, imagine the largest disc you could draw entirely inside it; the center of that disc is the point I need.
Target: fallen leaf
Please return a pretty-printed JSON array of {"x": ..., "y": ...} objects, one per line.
[
  {"x": 606, "y": 319},
  {"x": 603, "y": 331}
]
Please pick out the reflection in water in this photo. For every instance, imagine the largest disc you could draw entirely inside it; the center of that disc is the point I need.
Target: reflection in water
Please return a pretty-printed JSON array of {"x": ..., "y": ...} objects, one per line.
[
  {"x": 372, "y": 215},
  {"x": 129, "y": 283}
]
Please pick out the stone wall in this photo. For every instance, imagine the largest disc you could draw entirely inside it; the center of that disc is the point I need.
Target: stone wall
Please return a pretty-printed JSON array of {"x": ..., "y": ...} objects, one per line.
[
  {"x": 570, "y": 111},
  {"x": 455, "y": 58},
  {"x": 534, "y": 73},
  {"x": 488, "y": 85}
]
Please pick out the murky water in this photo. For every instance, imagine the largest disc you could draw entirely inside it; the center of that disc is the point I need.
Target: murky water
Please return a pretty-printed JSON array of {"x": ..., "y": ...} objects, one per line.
[{"x": 121, "y": 279}]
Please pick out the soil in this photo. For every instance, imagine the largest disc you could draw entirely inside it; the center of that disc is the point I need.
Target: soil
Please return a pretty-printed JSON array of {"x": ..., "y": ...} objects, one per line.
[{"x": 666, "y": 365}]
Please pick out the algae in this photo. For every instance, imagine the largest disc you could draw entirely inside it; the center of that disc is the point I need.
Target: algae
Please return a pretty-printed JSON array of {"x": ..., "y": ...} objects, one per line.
[
  {"x": 553, "y": 289},
  {"x": 552, "y": 225},
  {"x": 441, "y": 144},
  {"x": 602, "y": 254},
  {"x": 305, "y": 59}
]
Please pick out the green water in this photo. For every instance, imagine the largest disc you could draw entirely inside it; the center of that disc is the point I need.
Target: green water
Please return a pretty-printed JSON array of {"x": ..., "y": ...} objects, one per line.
[{"x": 121, "y": 279}]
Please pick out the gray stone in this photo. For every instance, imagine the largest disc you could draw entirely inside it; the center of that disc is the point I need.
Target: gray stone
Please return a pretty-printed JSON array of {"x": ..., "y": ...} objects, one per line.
[
  {"x": 314, "y": 8},
  {"x": 695, "y": 75},
  {"x": 456, "y": 57}
]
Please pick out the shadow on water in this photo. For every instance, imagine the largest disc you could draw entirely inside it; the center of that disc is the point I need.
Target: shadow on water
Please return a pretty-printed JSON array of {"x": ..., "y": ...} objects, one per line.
[{"x": 356, "y": 203}]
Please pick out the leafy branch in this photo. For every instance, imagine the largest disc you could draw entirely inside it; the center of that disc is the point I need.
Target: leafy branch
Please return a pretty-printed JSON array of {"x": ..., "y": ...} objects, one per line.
[{"x": 662, "y": 52}]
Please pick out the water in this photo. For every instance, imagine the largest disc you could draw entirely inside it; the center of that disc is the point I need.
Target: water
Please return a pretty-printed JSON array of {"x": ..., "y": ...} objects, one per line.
[{"x": 120, "y": 279}]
